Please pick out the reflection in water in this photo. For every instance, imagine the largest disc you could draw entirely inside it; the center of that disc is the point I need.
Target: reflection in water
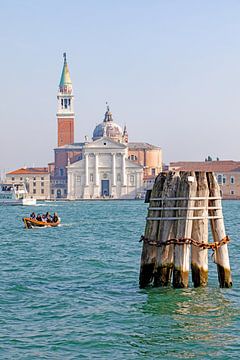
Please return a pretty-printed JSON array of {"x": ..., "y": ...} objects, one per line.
[{"x": 199, "y": 320}]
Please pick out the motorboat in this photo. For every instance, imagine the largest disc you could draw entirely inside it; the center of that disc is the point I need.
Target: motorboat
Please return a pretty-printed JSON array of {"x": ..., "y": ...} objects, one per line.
[
  {"x": 32, "y": 223},
  {"x": 15, "y": 194}
]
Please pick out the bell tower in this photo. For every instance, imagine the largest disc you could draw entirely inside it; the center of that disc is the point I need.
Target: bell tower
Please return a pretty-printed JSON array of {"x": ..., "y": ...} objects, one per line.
[{"x": 65, "y": 111}]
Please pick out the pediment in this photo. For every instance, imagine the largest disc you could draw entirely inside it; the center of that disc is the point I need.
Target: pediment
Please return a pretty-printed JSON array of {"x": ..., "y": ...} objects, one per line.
[{"x": 104, "y": 143}]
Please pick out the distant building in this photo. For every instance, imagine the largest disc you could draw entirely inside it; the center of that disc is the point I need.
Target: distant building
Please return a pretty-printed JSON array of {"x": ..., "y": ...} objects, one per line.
[
  {"x": 104, "y": 171},
  {"x": 106, "y": 166},
  {"x": 37, "y": 181},
  {"x": 227, "y": 173},
  {"x": 147, "y": 155},
  {"x": 69, "y": 156}
]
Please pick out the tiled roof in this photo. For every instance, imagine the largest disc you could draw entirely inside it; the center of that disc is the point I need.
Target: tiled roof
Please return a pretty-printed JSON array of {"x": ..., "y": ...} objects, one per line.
[
  {"x": 215, "y": 166},
  {"x": 23, "y": 171},
  {"x": 141, "y": 145}
]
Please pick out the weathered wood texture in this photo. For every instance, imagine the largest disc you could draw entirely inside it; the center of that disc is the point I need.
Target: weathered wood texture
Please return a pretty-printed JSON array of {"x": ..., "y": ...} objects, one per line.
[
  {"x": 149, "y": 252},
  {"x": 166, "y": 231},
  {"x": 199, "y": 258},
  {"x": 187, "y": 188},
  {"x": 179, "y": 209},
  {"x": 221, "y": 257}
]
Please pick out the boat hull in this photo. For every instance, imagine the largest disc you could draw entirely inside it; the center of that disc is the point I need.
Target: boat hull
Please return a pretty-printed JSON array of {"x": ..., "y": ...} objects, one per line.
[{"x": 32, "y": 223}]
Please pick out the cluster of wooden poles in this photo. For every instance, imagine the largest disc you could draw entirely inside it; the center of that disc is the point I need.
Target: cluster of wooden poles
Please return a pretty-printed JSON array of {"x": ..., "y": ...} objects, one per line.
[{"x": 180, "y": 206}]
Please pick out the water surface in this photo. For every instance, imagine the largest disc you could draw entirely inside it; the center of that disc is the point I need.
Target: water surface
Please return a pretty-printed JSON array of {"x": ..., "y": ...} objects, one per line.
[{"x": 72, "y": 292}]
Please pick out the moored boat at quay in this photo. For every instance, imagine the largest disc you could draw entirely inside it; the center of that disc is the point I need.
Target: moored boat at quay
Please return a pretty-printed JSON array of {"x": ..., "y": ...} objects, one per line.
[{"x": 15, "y": 194}]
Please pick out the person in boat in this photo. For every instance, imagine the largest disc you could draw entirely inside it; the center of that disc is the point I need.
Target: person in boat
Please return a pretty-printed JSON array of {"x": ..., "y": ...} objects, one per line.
[
  {"x": 48, "y": 217},
  {"x": 39, "y": 217},
  {"x": 55, "y": 217},
  {"x": 33, "y": 216},
  {"x": 44, "y": 219}
]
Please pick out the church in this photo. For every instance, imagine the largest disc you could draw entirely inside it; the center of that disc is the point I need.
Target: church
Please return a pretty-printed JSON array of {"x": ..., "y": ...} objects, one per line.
[{"x": 109, "y": 166}]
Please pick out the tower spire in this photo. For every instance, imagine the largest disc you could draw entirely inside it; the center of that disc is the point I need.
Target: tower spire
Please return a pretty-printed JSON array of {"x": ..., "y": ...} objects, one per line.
[
  {"x": 65, "y": 113},
  {"x": 65, "y": 85}
]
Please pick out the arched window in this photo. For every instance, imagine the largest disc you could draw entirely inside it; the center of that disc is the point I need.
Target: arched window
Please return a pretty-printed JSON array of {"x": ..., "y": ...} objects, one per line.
[
  {"x": 219, "y": 179},
  {"x": 132, "y": 158}
]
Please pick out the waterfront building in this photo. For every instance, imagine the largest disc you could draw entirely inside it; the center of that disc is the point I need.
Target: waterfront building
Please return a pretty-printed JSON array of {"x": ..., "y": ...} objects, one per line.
[
  {"x": 147, "y": 155},
  {"x": 104, "y": 171},
  {"x": 226, "y": 171},
  {"x": 37, "y": 181},
  {"x": 70, "y": 162},
  {"x": 107, "y": 166}
]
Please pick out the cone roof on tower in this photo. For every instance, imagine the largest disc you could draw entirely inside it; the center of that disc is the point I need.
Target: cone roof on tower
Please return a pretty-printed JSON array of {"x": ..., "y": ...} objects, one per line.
[{"x": 65, "y": 84}]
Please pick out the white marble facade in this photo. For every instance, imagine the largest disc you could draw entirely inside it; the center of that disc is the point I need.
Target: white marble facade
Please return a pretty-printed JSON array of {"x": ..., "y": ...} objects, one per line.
[{"x": 104, "y": 171}]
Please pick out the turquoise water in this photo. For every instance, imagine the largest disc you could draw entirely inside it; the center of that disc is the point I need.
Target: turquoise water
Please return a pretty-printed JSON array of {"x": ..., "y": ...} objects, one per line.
[{"x": 72, "y": 292}]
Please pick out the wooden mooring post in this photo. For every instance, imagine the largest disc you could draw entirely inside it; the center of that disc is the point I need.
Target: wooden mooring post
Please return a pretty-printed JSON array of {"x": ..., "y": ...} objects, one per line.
[{"x": 177, "y": 222}]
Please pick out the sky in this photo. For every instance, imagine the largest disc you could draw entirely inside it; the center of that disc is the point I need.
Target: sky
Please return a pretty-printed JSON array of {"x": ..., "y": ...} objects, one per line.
[{"x": 169, "y": 69}]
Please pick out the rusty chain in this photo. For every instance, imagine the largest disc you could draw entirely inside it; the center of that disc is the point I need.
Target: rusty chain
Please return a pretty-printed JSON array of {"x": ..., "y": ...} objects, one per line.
[{"x": 186, "y": 241}]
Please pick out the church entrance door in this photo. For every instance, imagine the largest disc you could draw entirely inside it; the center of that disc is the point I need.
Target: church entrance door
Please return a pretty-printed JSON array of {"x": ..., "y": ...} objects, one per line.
[{"x": 105, "y": 188}]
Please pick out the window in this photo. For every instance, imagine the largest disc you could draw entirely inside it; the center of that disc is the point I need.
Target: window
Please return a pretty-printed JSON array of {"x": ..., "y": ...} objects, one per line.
[
  {"x": 224, "y": 179},
  {"x": 61, "y": 172},
  {"x": 20, "y": 178},
  {"x": 232, "y": 180},
  {"x": 65, "y": 103},
  {"x": 34, "y": 191},
  {"x": 105, "y": 143},
  {"x": 118, "y": 177},
  {"x": 219, "y": 179},
  {"x": 34, "y": 178},
  {"x": 42, "y": 178},
  {"x": 91, "y": 177},
  {"x": 65, "y": 191},
  {"x": 132, "y": 179},
  {"x": 132, "y": 157},
  {"x": 52, "y": 191},
  {"x": 153, "y": 172},
  {"x": 34, "y": 184},
  {"x": 42, "y": 183},
  {"x": 42, "y": 191},
  {"x": 13, "y": 178},
  {"x": 232, "y": 192},
  {"x": 62, "y": 103}
]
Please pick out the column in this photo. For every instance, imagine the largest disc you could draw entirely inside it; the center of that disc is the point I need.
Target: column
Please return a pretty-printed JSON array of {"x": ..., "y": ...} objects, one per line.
[
  {"x": 69, "y": 185},
  {"x": 86, "y": 169},
  {"x": 113, "y": 169},
  {"x": 124, "y": 177},
  {"x": 96, "y": 170}
]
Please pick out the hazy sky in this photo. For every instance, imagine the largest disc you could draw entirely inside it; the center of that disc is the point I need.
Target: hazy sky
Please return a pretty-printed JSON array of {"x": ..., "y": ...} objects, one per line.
[{"x": 170, "y": 71}]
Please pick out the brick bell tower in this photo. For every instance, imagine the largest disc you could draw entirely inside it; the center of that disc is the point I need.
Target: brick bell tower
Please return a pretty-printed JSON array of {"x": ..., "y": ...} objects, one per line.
[{"x": 65, "y": 112}]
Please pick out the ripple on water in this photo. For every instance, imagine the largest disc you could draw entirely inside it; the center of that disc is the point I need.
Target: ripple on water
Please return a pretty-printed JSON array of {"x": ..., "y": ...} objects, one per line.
[{"x": 72, "y": 292}]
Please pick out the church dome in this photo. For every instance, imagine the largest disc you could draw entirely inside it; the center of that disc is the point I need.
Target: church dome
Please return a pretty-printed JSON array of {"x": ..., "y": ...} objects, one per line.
[{"x": 108, "y": 128}]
